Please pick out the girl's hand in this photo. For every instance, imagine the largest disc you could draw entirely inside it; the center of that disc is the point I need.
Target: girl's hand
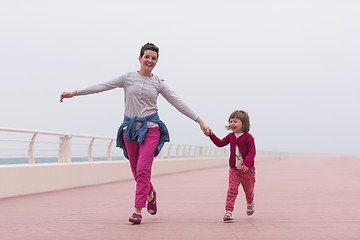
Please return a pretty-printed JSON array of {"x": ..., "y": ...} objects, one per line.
[
  {"x": 67, "y": 95},
  {"x": 206, "y": 130},
  {"x": 244, "y": 168}
]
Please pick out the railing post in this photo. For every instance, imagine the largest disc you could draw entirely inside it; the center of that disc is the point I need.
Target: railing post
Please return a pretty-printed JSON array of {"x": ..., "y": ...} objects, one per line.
[
  {"x": 189, "y": 152},
  {"x": 161, "y": 153},
  {"x": 184, "y": 151},
  {"x": 169, "y": 150},
  {"x": 31, "y": 149},
  {"x": 90, "y": 157},
  {"x": 65, "y": 148},
  {"x": 195, "y": 152},
  {"x": 109, "y": 150},
  {"x": 177, "y": 151},
  {"x": 201, "y": 149},
  {"x": 208, "y": 151},
  {"x": 205, "y": 151}
]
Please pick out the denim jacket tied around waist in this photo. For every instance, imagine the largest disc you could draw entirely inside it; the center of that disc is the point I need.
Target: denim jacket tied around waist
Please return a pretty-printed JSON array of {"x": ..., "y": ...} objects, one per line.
[{"x": 138, "y": 135}]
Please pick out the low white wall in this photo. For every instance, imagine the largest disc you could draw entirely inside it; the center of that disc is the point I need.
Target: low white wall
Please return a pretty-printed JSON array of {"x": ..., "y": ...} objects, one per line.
[{"x": 23, "y": 179}]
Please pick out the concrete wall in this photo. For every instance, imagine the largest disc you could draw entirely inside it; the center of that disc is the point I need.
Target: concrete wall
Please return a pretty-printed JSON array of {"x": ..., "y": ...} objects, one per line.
[{"x": 23, "y": 179}]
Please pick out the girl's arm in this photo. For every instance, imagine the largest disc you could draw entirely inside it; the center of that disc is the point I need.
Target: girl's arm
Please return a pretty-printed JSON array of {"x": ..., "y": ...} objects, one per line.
[{"x": 219, "y": 143}]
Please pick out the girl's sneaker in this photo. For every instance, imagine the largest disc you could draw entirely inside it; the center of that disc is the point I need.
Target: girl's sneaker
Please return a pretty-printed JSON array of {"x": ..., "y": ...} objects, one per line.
[
  {"x": 250, "y": 208},
  {"x": 228, "y": 216}
]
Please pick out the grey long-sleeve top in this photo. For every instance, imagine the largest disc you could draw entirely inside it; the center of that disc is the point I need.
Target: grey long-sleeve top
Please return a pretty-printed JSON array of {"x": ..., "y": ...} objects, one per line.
[{"x": 141, "y": 94}]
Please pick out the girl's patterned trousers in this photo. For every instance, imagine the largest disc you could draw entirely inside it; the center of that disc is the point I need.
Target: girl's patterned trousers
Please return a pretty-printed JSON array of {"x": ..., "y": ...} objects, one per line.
[{"x": 247, "y": 180}]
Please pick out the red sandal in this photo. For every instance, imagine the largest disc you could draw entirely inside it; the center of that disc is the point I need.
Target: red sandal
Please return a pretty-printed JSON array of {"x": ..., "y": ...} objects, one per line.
[
  {"x": 151, "y": 205},
  {"x": 135, "y": 218}
]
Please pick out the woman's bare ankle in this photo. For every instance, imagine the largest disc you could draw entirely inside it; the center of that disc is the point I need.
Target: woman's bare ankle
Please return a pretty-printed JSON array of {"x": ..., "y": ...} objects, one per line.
[
  {"x": 137, "y": 210},
  {"x": 150, "y": 197}
]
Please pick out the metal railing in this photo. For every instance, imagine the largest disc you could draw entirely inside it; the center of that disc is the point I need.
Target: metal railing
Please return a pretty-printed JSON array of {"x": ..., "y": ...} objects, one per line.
[{"x": 34, "y": 145}]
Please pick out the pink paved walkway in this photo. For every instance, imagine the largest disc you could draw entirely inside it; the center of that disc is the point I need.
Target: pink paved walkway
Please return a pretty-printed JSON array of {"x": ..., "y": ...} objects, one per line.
[{"x": 299, "y": 198}]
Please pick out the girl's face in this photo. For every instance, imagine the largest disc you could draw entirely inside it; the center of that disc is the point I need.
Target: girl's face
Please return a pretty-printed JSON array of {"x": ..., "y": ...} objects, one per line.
[
  {"x": 148, "y": 60},
  {"x": 235, "y": 125}
]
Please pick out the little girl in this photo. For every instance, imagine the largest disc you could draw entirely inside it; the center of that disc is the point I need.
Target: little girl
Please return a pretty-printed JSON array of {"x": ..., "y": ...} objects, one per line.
[{"x": 241, "y": 161}]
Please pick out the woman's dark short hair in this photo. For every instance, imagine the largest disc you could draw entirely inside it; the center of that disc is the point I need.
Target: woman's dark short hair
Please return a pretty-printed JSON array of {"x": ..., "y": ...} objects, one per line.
[
  {"x": 149, "y": 46},
  {"x": 243, "y": 117}
]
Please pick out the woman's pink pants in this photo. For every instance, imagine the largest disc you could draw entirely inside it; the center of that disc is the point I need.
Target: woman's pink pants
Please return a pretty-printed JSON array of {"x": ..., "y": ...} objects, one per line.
[{"x": 141, "y": 157}]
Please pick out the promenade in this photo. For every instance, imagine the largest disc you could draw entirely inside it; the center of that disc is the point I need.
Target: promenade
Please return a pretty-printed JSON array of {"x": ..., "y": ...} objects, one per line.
[{"x": 297, "y": 198}]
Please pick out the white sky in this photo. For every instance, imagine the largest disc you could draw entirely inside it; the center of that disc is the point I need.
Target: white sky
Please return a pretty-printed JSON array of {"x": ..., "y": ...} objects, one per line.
[{"x": 293, "y": 65}]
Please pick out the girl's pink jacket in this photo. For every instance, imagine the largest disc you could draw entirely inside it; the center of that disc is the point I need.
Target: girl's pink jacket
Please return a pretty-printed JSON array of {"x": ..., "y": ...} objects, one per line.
[{"x": 245, "y": 143}]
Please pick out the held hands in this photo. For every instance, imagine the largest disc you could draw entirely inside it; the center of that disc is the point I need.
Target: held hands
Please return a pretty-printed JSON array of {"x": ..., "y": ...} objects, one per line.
[
  {"x": 67, "y": 95},
  {"x": 205, "y": 128}
]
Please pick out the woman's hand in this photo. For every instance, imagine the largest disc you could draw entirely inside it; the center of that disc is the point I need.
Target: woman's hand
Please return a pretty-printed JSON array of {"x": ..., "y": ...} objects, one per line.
[
  {"x": 205, "y": 128},
  {"x": 67, "y": 95}
]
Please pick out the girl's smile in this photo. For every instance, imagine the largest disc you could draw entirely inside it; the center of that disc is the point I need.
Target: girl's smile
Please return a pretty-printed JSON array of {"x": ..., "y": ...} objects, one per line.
[{"x": 235, "y": 125}]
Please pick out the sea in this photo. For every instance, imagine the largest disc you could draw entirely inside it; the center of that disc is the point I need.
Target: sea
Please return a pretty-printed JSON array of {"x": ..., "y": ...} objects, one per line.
[{"x": 24, "y": 160}]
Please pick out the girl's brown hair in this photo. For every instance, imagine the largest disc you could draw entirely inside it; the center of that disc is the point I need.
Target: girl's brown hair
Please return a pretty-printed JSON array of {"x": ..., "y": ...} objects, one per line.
[
  {"x": 149, "y": 46},
  {"x": 243, "y": 117}
]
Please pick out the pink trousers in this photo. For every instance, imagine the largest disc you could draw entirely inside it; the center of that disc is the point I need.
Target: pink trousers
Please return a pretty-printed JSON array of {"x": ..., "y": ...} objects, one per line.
[
  {"x": 247, "y": 180},
  {"x": 141, "y": 157}
]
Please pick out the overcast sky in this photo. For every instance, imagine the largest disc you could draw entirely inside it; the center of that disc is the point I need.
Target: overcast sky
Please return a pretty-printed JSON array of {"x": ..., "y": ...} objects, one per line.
[{"x": 292, "y": 65}]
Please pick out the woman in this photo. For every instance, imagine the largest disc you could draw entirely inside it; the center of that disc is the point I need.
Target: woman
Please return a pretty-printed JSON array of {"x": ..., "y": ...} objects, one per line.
[{"x": 142, "y": 134}]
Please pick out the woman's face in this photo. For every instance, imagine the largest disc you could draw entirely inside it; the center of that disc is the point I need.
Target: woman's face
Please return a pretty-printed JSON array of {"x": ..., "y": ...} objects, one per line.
[{"x": 148, "y": 60}]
